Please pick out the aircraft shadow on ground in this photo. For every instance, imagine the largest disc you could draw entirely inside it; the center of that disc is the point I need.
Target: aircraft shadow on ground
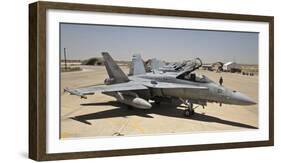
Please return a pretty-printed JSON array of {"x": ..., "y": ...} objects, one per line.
[{"x": 169, "y": 110}]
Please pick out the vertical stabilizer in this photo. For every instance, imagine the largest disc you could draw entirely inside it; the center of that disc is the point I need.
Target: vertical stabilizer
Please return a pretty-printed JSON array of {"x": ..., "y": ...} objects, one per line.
[
  {"x": 137, "y": 66},
  {"x": 113, "y": 70},
  {"x": 156, "y": 64}
]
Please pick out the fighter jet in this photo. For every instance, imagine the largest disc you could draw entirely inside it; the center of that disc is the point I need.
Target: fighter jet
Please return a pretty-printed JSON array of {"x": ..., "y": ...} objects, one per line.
[
  {"x": 141, "y": 88},
  {"x": 158, "y": 65}
]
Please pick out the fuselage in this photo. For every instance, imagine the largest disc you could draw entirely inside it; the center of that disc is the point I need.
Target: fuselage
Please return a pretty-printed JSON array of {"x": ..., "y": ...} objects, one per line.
[{"x": 213, "y": 92}]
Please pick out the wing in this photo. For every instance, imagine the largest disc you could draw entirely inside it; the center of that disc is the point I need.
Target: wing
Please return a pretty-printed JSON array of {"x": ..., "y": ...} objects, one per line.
[{"x": 129, "y": 86}]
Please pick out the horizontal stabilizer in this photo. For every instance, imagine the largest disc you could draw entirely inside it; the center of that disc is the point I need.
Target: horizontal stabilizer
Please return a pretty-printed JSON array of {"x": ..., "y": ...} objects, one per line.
[{"x": 74, "y": 92}]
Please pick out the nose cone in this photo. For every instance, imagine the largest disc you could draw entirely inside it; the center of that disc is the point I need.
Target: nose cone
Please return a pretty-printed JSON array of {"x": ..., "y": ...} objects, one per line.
[
  {"x": 241, "y": 99},
  {"x": 141, "y": 103}
]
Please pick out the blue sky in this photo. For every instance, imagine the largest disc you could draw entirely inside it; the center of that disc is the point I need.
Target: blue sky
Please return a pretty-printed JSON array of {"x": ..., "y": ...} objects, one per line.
[{"x": 86, "y": 41}]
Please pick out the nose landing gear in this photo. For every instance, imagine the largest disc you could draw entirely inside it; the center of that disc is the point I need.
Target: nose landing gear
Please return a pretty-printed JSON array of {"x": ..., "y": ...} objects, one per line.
[{"x": 190, "y": 110}]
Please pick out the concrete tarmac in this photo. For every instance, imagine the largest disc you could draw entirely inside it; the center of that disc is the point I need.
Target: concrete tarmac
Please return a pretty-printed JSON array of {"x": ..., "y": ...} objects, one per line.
[{"x": 100, "y": 115}]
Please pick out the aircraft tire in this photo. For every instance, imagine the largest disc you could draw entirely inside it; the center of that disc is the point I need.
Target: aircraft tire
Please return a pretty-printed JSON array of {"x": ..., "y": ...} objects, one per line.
[
  {"x": 187, "y": 113},
  {"x": 192, "y": 112}
]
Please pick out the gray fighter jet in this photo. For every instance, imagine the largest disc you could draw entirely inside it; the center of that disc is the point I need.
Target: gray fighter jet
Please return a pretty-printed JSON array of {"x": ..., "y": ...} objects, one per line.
[
  {"x": 179, "y": 88},
  {"x": 158, "y": 65}
]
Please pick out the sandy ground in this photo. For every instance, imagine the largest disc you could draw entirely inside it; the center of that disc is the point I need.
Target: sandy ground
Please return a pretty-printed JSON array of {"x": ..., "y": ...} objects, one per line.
[{"x": 101, "y": 115}]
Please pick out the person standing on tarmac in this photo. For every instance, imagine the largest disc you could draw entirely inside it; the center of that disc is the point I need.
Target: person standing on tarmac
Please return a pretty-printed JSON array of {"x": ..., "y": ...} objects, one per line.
[{"x": 221, "y": 81}]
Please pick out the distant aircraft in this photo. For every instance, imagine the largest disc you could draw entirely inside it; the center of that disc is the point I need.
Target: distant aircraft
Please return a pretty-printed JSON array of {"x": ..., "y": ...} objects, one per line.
[
  {"x": 158, "y": 65},
  {"x": 179, "y": 88}
]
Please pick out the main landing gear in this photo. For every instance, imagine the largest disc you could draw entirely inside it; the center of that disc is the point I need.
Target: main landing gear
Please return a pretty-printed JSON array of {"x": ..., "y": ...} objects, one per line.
[{"x": 190, "y": 110}]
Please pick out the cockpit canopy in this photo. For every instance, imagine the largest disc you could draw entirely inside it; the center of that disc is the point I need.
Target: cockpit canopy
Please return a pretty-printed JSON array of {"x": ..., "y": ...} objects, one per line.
[
  {"x": 195, "y": 78},
  {"x": 189, "y": 76}
]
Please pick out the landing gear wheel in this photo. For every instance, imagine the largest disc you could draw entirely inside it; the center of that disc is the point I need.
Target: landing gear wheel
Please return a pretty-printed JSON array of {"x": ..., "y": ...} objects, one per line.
[
  {"x": 192, "y": 111},
  {"x": 187, "y": 113}
]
